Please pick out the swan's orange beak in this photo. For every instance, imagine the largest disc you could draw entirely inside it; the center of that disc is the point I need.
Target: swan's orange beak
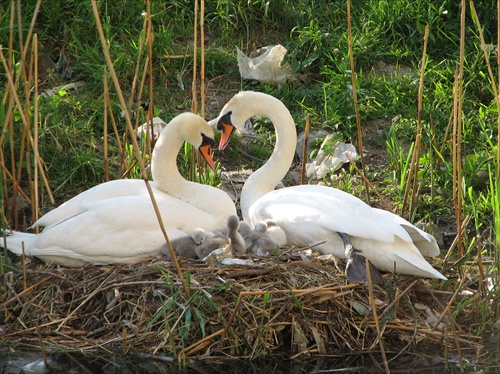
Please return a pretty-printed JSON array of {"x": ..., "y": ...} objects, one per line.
[
  {"x": 207, "y": 152},
  {"x": 226, "y": 132},
  {"x": 226, "y": 127}
]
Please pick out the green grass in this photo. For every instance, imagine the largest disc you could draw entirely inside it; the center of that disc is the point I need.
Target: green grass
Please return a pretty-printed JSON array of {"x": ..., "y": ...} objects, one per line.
[{"x": 385, "y": 33}]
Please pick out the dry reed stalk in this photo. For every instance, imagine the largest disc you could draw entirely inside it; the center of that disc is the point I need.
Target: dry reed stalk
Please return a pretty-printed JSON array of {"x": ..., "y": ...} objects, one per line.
[
  {"x": 194, "y": 91},
  {"x": 177, "y": 57},
  {"x": 42, "y": 345},
  {"x": 413, "y": 171},
  {"x": 133, "y": 162},
  {"x": 355, "y": 99},
  {"x": 23, "y": 261},
  {"x": 138, "y": 62},
  {"x": 135, "y": 143},
  {"x": 375, "y": 317},
  {"x": 304, "y": 152},
  {"x": 22, "y": 45},
  {"x": 11, "y": 38},
  {"x": 445, "y": 142},
  {"x": 457, "y": 134},
  {"x": 9, "y": 120},
  {"x": 446, "y": 357},
  {"x": 28, "y": 85},
  {"x": 194, "y": 156},
  {"x": 115, "y": 126},
  {"x": 118, "y": 88},
  {"x": 105, "y": 124},
  {"x": 35, "y": 131},
  {"x": 150, "y": 140},
  {"x": 418, "y": 141},
  {"x": 7, "y": 128},
  {"x": 454, "y": 244},
  {"x": 202, "y": 62}
]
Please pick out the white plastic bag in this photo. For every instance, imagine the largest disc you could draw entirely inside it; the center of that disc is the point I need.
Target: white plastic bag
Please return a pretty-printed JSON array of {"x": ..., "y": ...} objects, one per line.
[
  {"x": 265, "y": 67},
  {"x": 325, "y": 163}
]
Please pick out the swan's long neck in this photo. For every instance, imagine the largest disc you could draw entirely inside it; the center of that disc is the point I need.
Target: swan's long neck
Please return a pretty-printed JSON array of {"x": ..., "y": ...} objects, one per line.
[
  {"x": 164, "y": 162},
  {"x": 272, "y": 172},
  {"x": 169, "y": 180}
]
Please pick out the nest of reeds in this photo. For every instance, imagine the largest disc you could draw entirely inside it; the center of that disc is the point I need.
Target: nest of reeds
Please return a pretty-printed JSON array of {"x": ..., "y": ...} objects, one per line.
[{"x": 287, "y": 304}]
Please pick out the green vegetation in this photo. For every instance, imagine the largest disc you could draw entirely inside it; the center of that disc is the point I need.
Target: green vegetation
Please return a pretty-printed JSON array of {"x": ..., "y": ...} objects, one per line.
[{"x": 388, "y": 40}]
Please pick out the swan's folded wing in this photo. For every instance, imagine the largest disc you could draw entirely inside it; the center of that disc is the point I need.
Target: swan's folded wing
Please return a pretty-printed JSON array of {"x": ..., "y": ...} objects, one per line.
[
  {"x": 79, "y": 203},
  {"x": 323, "y": 208}
]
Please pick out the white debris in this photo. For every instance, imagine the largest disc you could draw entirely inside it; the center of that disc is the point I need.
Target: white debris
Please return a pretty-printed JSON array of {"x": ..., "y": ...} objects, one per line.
[
  {"x": 158, "y": 126},
  {"x": 266, "y": 67},
  {"x": 331, "y": 156}
]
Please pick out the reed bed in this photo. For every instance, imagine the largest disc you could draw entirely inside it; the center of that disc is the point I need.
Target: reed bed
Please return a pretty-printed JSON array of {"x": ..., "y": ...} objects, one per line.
[{"x": 286, "y": 304}]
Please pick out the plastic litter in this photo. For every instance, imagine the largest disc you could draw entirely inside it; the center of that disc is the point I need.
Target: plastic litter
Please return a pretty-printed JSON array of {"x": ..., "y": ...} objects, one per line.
[{"x": 266, "y": 67}]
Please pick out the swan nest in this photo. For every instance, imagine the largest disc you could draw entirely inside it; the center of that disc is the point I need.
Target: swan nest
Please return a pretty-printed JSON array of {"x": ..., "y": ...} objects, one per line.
[{"x": 289, "y": 305}]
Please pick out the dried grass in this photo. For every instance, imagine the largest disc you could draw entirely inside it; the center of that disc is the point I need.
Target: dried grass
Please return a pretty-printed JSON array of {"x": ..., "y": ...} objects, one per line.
[{"x": 286, "y": 305}]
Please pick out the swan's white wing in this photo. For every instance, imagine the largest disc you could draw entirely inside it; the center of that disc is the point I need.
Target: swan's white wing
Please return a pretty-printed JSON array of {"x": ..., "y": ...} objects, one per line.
[
  {"x": 103, "y": 191},
  {"x": 313, "y": 211}
]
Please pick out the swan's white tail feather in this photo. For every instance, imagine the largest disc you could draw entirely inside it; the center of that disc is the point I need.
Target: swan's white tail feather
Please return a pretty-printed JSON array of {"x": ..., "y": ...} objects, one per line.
[
  {"x": 422, "y": 267},
  {"x": 15, "y": 240}
]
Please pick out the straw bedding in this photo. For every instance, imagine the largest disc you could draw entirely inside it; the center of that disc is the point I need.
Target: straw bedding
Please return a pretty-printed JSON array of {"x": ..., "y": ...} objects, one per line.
[{"x": 291, "y": 304}]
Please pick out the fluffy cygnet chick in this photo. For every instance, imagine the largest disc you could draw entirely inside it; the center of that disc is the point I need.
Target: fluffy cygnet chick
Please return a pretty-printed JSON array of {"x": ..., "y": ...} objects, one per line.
[
  {"x": 244, "y": 229},
  {"x": 185, "y": 246},
  {"x": 237, "y": 241},
  {"x": 259, "y": 242},
  {"x": 276, "y": 233},
  {"x": 210, "y": 245},
  {"x": 233, "y": 237}
]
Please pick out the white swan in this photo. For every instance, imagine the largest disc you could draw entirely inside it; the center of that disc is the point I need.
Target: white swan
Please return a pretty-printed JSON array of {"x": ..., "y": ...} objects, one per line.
[
  {"x": 114, "y": 222},
  {"x": 310, "y": 214}
]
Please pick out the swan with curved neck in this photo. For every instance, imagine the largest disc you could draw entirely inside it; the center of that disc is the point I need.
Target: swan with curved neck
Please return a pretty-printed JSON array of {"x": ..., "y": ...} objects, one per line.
[
  {"x": 311, "y": 214},
  {"x": 115, "y": 222}
]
